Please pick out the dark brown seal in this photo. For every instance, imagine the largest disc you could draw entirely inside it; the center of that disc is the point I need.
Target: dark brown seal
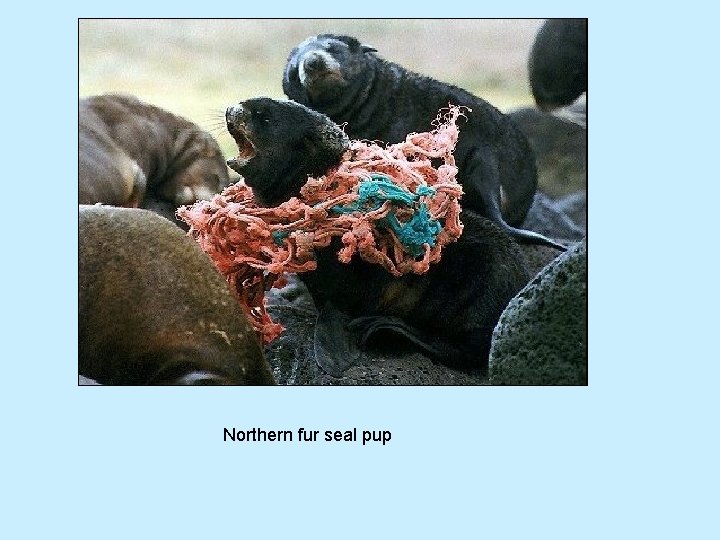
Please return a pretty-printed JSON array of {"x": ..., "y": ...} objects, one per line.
[
  {"x": 153, "y": 308},
  {"x": 137, "y": 155},
  {"x": 557, "y": 65},
  {"x": 381, "y": 100},
  {"x": 449, "y": 312}
]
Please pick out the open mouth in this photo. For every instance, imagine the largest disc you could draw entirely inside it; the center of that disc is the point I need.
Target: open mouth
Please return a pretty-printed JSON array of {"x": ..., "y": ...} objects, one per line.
[{"x": 246, "y": 149}]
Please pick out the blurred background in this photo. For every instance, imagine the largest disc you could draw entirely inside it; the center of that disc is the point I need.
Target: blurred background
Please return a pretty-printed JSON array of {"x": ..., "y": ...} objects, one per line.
[{"x": 196, "y": 68}]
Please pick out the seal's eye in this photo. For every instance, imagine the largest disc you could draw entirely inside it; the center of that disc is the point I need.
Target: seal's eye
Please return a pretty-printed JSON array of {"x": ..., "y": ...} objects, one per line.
[{"x": 261, "y": 116}]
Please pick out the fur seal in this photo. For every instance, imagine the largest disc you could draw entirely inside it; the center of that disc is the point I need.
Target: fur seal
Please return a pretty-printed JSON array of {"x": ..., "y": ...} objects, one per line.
[
  {"x": 558, "y": 63},
  {"x": 380, "y": 100},
  {"x": 154, "y": 310},
  {"x": 449, "y": 312},
  {"x": 137, "y": 155}
]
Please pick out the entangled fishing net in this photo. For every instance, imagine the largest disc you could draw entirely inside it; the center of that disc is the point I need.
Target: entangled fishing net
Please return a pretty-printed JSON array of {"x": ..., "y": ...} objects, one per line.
[{"x": 392, "y": 206}]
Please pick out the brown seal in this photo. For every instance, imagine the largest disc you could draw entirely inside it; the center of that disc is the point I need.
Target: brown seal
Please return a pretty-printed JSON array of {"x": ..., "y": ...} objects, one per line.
[
  {"x": 153, "y": 308},
  {"x": 137, "y": 155}
]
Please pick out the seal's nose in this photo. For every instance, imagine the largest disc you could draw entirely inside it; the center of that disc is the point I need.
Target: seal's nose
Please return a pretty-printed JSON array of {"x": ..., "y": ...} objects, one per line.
[
  {"x": 314, "y": 62},
  {"x": 233, "y": 114}
]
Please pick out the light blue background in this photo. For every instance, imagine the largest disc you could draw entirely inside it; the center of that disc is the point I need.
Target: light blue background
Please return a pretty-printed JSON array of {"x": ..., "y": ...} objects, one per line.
[{"x": 634, "y": 455}]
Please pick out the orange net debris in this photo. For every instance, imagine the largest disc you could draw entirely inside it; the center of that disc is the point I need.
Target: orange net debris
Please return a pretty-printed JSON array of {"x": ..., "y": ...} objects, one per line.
[{"x": 390, "y": 205}]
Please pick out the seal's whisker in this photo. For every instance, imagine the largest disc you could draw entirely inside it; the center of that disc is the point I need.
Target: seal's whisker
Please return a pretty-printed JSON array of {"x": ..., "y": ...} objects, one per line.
[
  {"x": 217, "y": 130},
  {"x": 214, "y": 121},
  {"x": 215, "y": 117},
  {"x": 214, "y": 114},
  {"x": 218, "y": 124}
]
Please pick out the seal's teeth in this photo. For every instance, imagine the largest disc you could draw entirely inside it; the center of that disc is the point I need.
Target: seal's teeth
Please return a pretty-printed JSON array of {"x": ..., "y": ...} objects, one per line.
[{"x": 246, "y": 149}]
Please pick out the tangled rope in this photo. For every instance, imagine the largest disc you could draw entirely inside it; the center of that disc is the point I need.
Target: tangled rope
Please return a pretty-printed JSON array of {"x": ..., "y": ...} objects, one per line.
[{"x": 389, "y": 205}]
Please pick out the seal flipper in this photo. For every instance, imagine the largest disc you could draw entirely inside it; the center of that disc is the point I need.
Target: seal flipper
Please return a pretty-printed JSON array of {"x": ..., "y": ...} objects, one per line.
[
  {"x": 524, "y": 236},
  {"x": 368, "y": 327},
  {"x": 336, "y": 349},
  {"x": 468, "y": 352},
  {"x": 485, "y": 193}
]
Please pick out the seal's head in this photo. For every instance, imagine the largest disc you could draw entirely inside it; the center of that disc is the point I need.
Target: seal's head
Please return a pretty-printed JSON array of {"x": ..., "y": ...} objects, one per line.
[
  {"x": 327, "y": 69},
  {"x": 197, "y": 170},
  {"x": 557, "y": 65},
  {"x": 280, "y": 144}
]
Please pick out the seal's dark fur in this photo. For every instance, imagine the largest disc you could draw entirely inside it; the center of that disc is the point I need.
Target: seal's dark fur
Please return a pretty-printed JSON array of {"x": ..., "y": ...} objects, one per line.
[
  {"x": 381, "y": 100},
  {"x": 558, "y": 63},
  {"x": 450, "y": 311},
  {"x": 288, "y": 142}
]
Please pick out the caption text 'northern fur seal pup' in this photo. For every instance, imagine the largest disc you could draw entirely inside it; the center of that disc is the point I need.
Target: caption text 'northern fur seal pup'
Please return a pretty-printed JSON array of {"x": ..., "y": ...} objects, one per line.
[
  {"x": 449, "y": 312},
  {"x": 381, "y": 100},
  {"x": 153, "y": 308},
  {"x": 137, "y": 155}
]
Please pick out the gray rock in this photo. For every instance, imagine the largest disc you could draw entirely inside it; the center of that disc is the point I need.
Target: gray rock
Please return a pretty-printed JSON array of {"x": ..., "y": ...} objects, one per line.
[
  {"x": 560, "y": 148},
  {"x": 541, "y": 338},
  {"x": 291, "y": 354},
  {"x": 552, "y": 218},
  {"x": 538, "y": 257},
  {"x": 574, "y": 206},
  {"x": 84, "y": 381}
]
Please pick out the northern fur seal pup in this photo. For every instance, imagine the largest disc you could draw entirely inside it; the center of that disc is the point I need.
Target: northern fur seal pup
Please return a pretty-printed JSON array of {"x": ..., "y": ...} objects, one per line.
[
  {"x": 558, "y": 63},
  {"x": 153, "y": 308},
  {"x": 380, "y": 100},
  {"x": 137, "y": 155},
  {"x": 449, "y": 312}
]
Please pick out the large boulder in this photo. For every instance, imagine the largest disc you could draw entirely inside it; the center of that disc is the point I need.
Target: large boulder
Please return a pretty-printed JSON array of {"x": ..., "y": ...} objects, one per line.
[
  {"x": 541, "y": 338},
  {"x": 560, "y": 148},
  {"x": 574, "y": 206}
]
